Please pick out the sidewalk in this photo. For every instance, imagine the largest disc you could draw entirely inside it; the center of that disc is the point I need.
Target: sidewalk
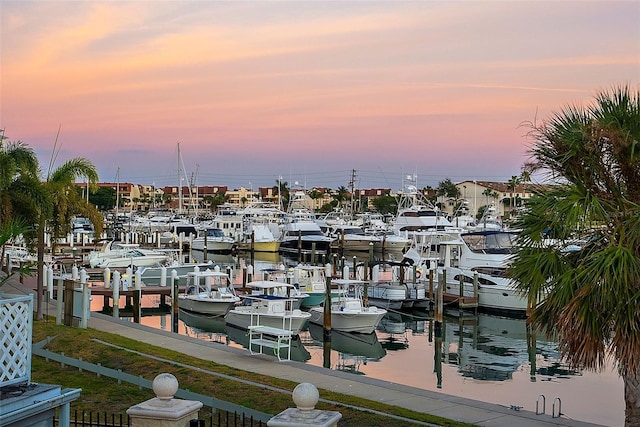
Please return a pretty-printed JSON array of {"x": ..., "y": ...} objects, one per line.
[{"x": 451, "y": 407}]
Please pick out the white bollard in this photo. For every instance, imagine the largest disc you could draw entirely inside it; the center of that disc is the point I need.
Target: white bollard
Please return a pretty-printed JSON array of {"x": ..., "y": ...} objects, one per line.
[
  {"x": 345, "y": 272},
  {"x": 163, "y": 276},
  {"x": 83, "y": 276},
  {"x": 59, "y": 303},
  {"x": 138, "y": 280},
  {"x": 116, "y": 294},
  {"x": 50, "y": 282},
  {"x": 74, "y": 272},
  {"x": 107, "y": 277},
  {"x": 174, "y": 278}
]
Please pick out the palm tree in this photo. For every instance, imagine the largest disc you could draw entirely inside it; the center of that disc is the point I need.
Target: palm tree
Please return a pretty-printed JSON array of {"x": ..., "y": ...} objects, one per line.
[
  {"x": 591, "y": 296},
  {"x": 65, "y": 202},
  {"x": 513, "y": 185},
  {"x": 20, "y": 189}
]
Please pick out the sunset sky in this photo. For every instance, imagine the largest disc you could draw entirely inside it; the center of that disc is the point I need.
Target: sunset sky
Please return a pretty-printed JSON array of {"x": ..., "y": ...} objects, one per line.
[{"x": 305, "y": 90}]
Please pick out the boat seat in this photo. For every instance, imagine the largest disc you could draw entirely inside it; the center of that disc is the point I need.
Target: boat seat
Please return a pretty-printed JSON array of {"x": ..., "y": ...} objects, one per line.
[{"x": 352, "y": 306}]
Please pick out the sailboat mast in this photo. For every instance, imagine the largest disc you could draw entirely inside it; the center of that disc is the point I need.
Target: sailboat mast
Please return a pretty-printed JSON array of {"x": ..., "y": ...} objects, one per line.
[{"x": 179, "y": 182}]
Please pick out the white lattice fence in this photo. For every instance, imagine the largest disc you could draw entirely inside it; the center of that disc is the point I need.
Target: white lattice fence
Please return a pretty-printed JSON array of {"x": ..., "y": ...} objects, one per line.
[{"x": 16, "y": 314}]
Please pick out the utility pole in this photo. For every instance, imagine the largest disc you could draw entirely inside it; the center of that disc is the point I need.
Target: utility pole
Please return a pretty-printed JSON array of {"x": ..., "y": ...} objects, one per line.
[{"x": 352, "y": 184}]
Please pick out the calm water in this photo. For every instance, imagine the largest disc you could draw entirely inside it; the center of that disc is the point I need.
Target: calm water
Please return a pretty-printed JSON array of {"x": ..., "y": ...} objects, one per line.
[{"x": 480, "y": 357}]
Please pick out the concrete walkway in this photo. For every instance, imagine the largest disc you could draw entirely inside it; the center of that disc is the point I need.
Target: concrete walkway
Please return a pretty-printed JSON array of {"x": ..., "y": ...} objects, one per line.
[{"x": 443, "y": 405}]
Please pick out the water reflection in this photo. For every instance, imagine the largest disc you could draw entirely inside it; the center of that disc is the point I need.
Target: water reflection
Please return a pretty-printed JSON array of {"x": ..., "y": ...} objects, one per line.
[{"x": 492, "y": 348}]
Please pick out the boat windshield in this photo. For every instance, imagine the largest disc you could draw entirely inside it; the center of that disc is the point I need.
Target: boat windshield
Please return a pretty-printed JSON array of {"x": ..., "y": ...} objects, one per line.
[
  {"x": 491, "y": 243},
  {"x": 214, "y": 232}
]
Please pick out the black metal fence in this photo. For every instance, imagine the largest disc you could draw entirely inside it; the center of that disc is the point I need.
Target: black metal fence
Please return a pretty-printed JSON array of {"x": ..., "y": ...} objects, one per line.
[{"x": 102, "y": 419}]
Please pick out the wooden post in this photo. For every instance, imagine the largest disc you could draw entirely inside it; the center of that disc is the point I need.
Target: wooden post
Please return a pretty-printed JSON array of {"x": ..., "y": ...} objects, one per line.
[
  {"x": 475, "y": 291},
  {"x": 68, "y": 302},
  {"x": 313, "y": 253},
  {"x": 299, "y": 246},
  {"x": 326, "y": 325},
  {"x": 204, "y": 248},
  {"x": 439, "y": 297},
  {"x": 174, "y": 302},
  {"x": 431, "y": 294},
  {"x": 253, "y": 245},
  {"x": 137, "y": 295}
]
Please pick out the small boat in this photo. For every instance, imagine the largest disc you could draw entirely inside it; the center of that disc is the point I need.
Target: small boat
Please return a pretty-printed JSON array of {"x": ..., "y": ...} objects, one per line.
[
  {"x": 214, "y": 240},
  {"x": 215, "y": 297},
  {"x": 348, "y": 314},
  {"x": 393, "y": 286},
  {"x": 265, "y": 308},
  {"x": 311, "y": 280},
  {"x": 260, "y": 238},
  {"x": 274, "y": 284}
]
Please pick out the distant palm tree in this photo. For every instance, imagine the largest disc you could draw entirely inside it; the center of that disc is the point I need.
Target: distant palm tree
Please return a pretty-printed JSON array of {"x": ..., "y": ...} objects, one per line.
[
  {"x": 513, "y": 185},
  {"x": 591, "y": 296}
]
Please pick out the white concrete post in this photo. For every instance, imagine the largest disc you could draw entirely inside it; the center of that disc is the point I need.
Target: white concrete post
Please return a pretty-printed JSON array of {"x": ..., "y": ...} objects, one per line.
[{"x": 116, "y": 294}]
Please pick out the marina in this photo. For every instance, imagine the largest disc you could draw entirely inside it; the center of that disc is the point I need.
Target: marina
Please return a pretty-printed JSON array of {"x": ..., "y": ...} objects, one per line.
[{"x": 483, "y": 357}]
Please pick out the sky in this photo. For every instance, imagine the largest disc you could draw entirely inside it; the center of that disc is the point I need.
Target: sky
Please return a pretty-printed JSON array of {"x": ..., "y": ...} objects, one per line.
[{"x": 318, "y": 93}]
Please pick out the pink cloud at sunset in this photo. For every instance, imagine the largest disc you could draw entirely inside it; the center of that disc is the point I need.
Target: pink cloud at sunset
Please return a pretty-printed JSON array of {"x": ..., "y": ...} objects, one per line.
[{"x": 308, "y": 91}]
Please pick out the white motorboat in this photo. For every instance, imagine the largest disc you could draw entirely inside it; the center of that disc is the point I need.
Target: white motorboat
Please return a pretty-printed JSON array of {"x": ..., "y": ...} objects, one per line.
[
  {"x": 388, "y": 241},
  {"x": 348, "y": 313},
  {"x": 261, "y": 226},
  {"x": 265, "y": 308},
  {"x": 214, "y": 240},
  {"x": 279, "y": 286},
  {"x": 393, "y": 286},
  {"x": 416, "y": 213},
  {"x": 116, "y": 254},
  {"x": 486, "y": 254},
  {"x": 159, "y": 274},
  {"x": 300, "y": 231},
  {"x": 260, "y": 238},
  {"x": 353, "y": 238},
  {"x": 215, "y": 296}
]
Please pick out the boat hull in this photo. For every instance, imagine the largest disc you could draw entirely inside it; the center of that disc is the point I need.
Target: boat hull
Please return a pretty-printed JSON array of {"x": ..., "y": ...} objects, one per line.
[
  {"x": 314, "y": 299},
  {"x": 364, "y": 322},
  {"x": 306, "y": 245},
  {"x": 212, "y": 245},
  {"x": 203, "y": 305}
]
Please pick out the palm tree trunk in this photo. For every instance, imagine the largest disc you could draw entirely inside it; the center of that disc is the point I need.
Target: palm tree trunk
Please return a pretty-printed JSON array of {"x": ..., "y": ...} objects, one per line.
[
  {"x": 632, "y": 399},
  {"x": 40, "y": 276}
]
